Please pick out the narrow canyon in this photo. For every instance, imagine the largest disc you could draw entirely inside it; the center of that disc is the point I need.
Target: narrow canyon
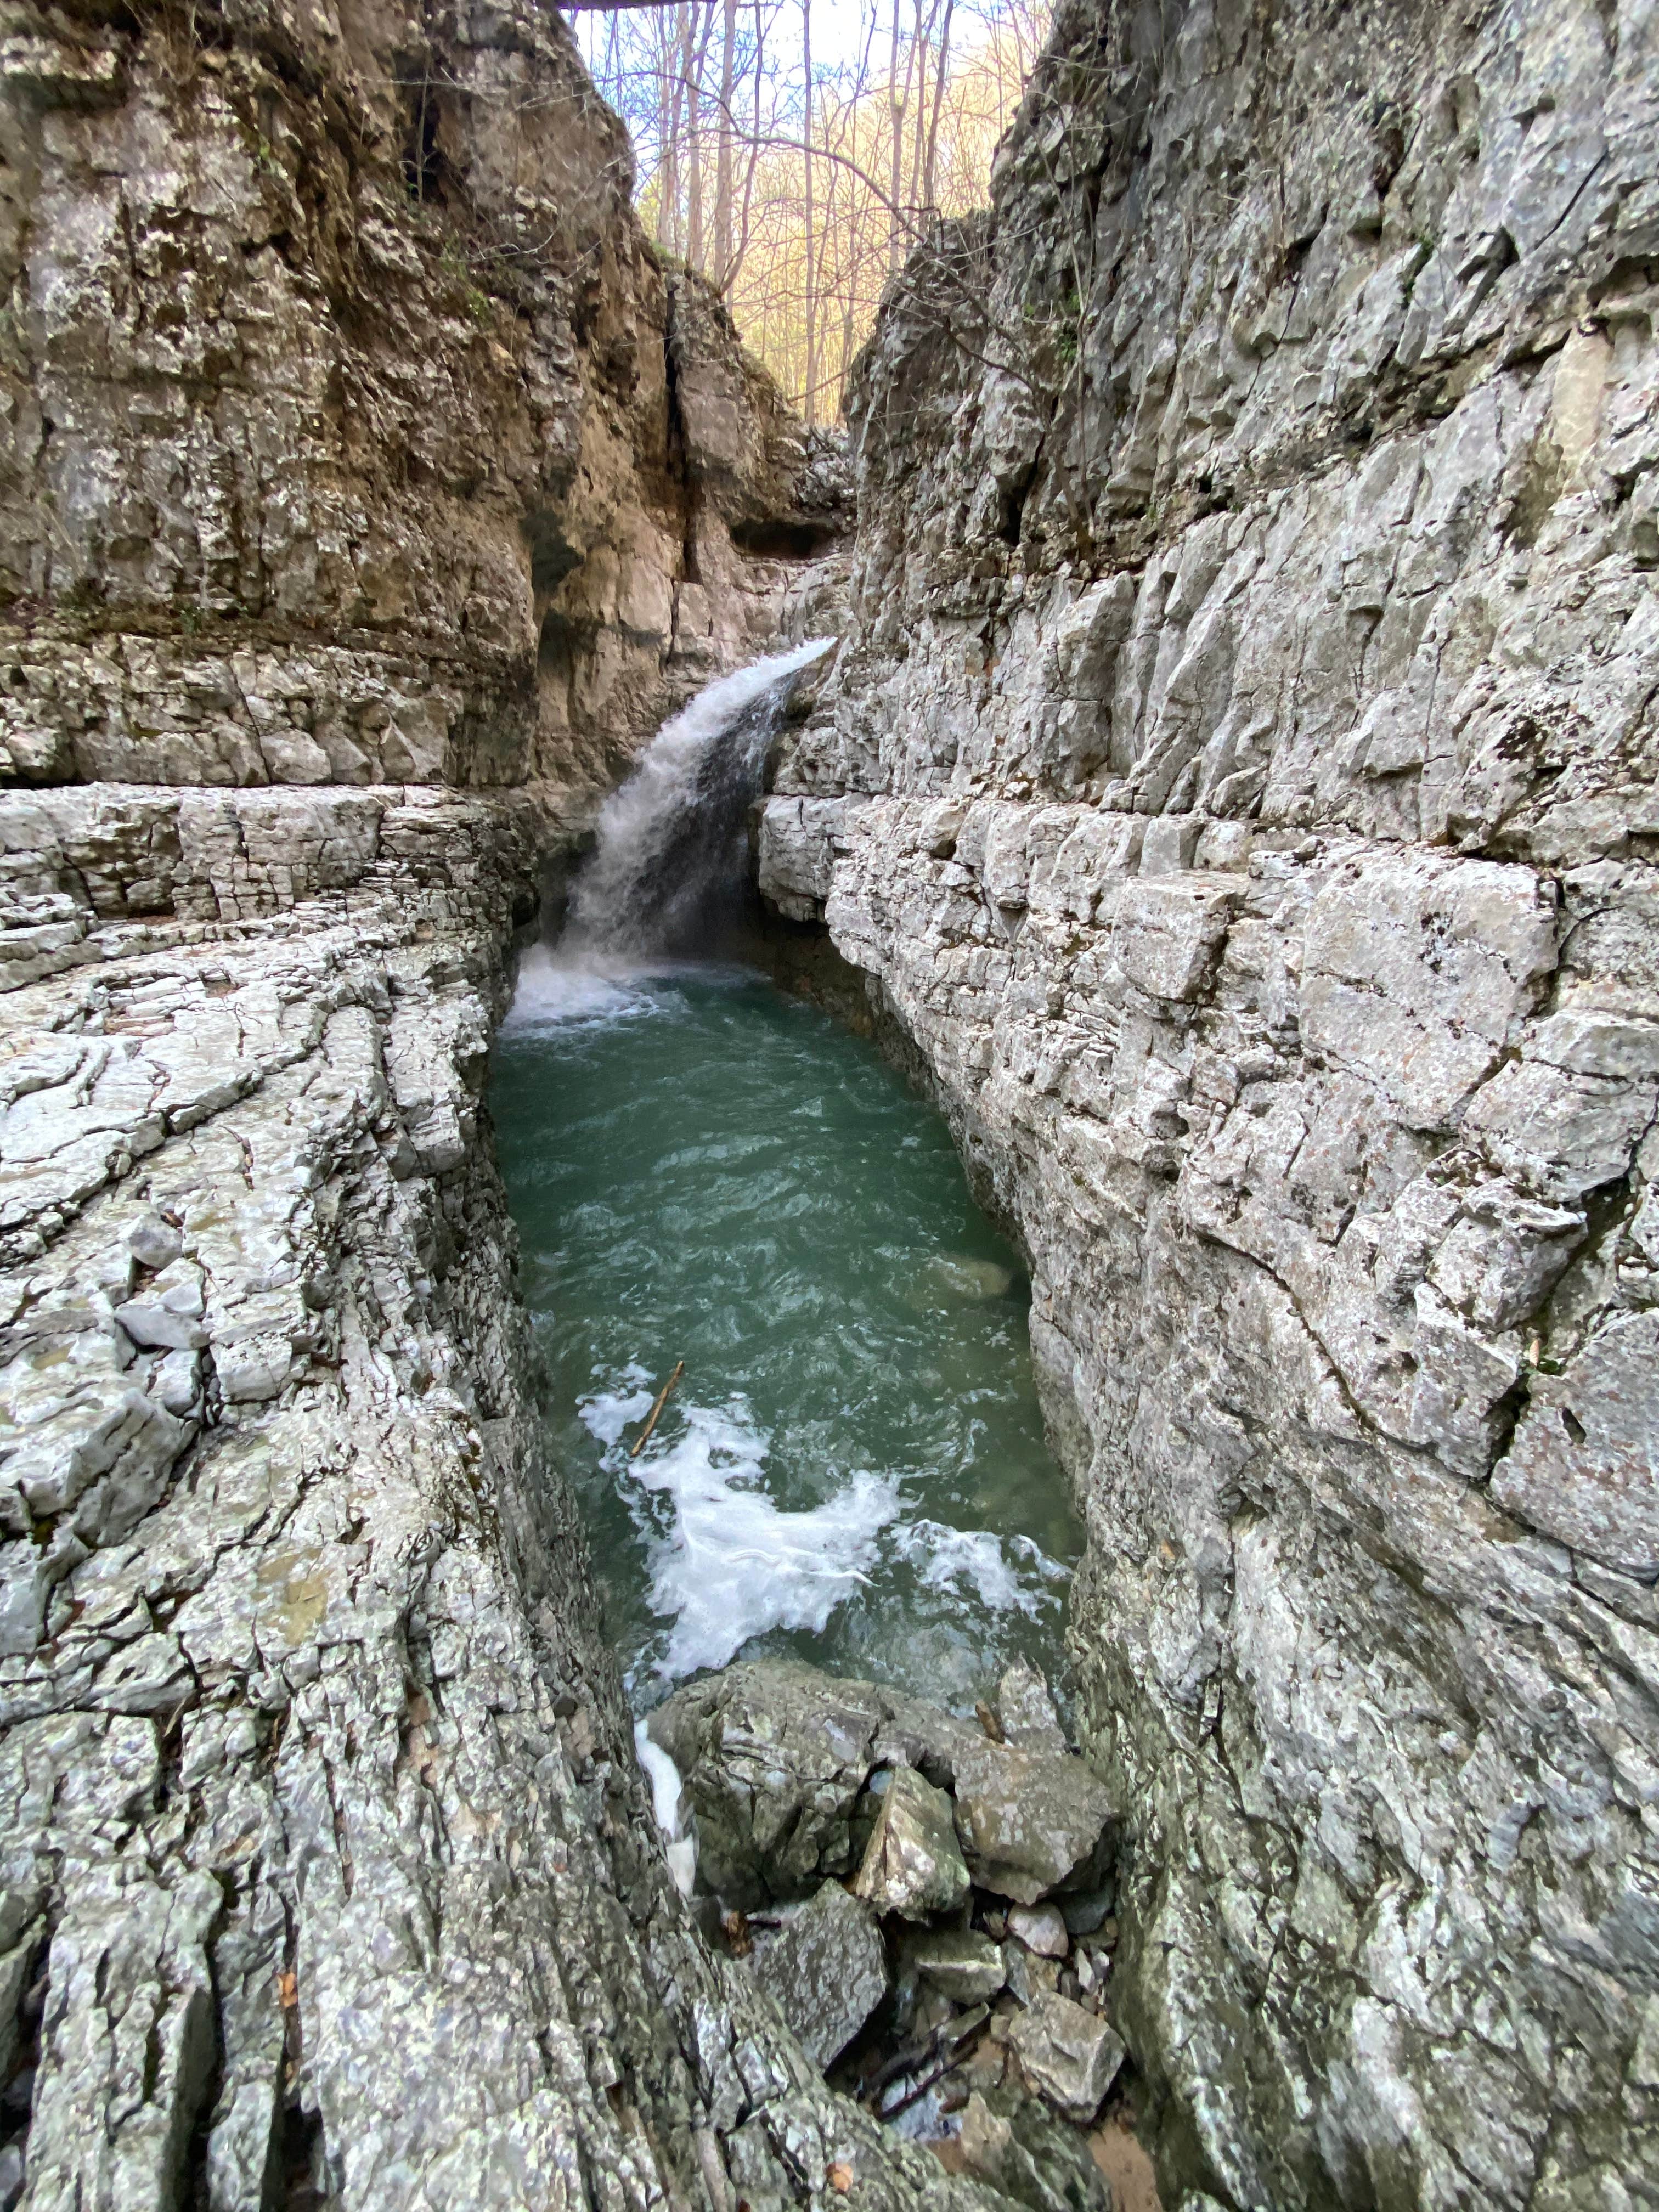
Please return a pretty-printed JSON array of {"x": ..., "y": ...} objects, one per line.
[{"x": 1228, "y": 792}]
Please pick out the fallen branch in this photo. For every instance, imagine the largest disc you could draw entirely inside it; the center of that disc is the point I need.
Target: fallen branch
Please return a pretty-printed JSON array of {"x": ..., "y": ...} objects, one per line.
[
  {"x": 949, "y": 2036},
  {"x": 662, "y": 1400},
  {"x": 917, "y": 2090}
]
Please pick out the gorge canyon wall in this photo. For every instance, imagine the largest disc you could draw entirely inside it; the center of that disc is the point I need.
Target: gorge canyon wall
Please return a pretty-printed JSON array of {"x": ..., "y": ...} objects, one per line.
[
  {"x": 1238, "y": 788},
  {"x": 370, "y": 491}
]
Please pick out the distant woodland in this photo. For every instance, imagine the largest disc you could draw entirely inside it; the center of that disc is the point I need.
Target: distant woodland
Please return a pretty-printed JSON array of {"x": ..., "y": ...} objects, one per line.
[{"x": 796, "y": 181}]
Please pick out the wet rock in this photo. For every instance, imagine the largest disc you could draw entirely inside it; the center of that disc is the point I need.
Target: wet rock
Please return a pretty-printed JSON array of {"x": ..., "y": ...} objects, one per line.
[
  {"x": 1028, "y": 1821},
  {"x": 911, "y": 1864},
  {"x": 827, "y": 1971},
  {"x": 1068, "y": 2054},
  {"x": 963, "y": 1964},
  {"x": 1041, "y": 1929},
  {"x": 1025, "y": 1707},
  {"x": 775, "y": 1758},
  {"x": 1019, "y": 2148},
  {"x": 1028, "y": 1976}
]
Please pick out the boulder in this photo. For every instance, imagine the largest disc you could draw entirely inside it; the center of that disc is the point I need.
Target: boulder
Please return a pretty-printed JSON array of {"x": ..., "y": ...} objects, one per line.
[
  {"x": 911, "y": 1864},
  {"x": 1028, "y": 1821},
  {"x": 827, "y": 1971},
  {"x": 1020, "y": 2149},
  {"x": 959, "y": 1962},
  {"x": 1041, "y": 1928},
  {"x": 1026, "y": 1709},
  {"x": 1068, "y": 2055},
  {"x": 774, "y": 1760},
  {"x": 775, "y": 1757}
]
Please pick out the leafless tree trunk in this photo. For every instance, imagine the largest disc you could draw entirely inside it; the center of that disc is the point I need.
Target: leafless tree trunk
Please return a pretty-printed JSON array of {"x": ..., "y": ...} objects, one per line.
[
  {"x": 671, "y": 46},
  {"x": 721, "y": 272},
  {"x": 811, "y": 290},
  {"x": 896, "y": 116},
  {"x": 697, "y": 60},
  {"x": 939, "y": 76}
]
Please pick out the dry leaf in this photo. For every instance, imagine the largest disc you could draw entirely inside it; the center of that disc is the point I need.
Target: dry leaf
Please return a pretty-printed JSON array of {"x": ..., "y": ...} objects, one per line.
[
  {"x": 288, "y": 1990},
  {"x": 839, "y": 2178}
]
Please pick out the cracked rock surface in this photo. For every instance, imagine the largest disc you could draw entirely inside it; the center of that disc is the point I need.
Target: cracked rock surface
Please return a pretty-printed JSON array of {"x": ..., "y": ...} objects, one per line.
[
  {"x": 1238, "y": 791},
  {"x": 370, "y": 491},
  {"x": 319, "y": 1819}
]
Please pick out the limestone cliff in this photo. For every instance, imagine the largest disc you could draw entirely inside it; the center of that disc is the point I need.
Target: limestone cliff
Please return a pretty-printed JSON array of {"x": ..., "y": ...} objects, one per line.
[
  {"x": 357, "y": 434},
  {"x": 358, "y": 442},
  {"x": 1239, "y": 787}
]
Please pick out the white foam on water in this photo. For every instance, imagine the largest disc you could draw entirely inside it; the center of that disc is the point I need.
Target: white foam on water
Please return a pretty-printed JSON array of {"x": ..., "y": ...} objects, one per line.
[
  {"x": 947, "y": 1558},
  {"x": 606, "y": 1414},
  {"x": 554, "y": 992},
  {"x": 735, "y": 1564}
]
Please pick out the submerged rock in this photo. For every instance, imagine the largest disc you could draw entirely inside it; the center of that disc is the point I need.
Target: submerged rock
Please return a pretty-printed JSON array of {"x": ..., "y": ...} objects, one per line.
[
  {"x": 1069, "y": 2055},
  {"x": 827, "y": 1971},
  {"x": 912, "y": 1865}
]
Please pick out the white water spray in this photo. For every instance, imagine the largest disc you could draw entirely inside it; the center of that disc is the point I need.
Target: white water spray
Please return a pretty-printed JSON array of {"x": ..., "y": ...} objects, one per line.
[{"x": 671, "y": 837}]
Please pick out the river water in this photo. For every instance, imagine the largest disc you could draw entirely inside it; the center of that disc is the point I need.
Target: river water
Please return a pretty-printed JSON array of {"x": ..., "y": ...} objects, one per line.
[
  {"x": 852, "y": 1468},
  {"x": 704, "y": 1168}
]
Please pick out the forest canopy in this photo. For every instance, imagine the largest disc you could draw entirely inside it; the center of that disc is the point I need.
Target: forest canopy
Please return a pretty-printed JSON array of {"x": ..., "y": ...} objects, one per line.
[{"x": 792, "y": 150}]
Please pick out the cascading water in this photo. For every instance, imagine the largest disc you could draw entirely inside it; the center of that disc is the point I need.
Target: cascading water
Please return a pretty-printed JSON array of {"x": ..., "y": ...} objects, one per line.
[
  {"x": 671, "y": 860},
  {"x": 704, "y": 1168}
]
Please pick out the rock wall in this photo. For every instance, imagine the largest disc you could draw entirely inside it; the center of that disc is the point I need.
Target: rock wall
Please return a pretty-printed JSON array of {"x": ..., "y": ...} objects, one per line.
[
  {"x": 327, "y": 1875},
  {"x": 357, "y": 434},
  {"x": 358, "y": 443},
  {"x": 1239, "y": 789}
]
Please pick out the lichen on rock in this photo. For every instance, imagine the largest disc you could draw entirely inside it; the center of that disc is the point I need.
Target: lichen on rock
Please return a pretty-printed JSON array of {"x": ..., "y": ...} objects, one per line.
[{"x": 1236, "y": 792}]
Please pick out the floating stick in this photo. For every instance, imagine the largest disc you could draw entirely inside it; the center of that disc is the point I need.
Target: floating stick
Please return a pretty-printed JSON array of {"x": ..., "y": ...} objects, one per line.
[{"x": 662, "y": 1400}]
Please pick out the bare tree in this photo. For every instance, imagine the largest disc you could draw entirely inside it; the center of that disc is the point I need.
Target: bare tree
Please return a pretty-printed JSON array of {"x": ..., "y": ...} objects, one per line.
[
  {"x": 798, "y": 187},
  {"x": 720, "y": 270},
  {"x": 806, "y": 148},
  {"x": 939, "y": 75}
]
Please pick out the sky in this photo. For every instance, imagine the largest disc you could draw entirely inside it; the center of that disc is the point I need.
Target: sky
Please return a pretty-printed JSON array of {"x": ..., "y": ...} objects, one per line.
[{"x": 838, "y": 30}]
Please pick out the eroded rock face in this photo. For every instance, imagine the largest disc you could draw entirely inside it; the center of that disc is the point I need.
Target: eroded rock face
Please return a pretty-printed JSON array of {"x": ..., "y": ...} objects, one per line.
[
  {"x": 1239, "y": 791},
  {"x": 359, "y": 436},
  {"x": 351, "y": 534},
  {"x": 322, "y": 1833}
]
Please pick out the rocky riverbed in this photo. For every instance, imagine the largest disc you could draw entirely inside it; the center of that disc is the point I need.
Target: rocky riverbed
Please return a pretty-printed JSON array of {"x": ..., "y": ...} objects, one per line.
[{"x": 928, "y": 1900}]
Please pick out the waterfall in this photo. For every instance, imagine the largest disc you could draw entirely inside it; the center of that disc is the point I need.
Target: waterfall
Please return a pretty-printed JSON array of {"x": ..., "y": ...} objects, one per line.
[{"x": 672, "y": 851}]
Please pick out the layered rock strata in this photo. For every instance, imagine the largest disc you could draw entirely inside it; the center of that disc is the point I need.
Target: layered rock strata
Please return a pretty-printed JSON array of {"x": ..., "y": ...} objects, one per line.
[
  {"x": 1238, "y": 789},
  {"x": 326, "y": 1864},
  {"x": 370, "y": 492},
  {"x": 357, "y": 435}
]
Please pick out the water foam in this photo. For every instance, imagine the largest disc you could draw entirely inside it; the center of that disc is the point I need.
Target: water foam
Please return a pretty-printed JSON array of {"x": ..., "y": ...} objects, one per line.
[
  {"x": 734, "y": 1565},
  {"x": 944, "y": 1559}
]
